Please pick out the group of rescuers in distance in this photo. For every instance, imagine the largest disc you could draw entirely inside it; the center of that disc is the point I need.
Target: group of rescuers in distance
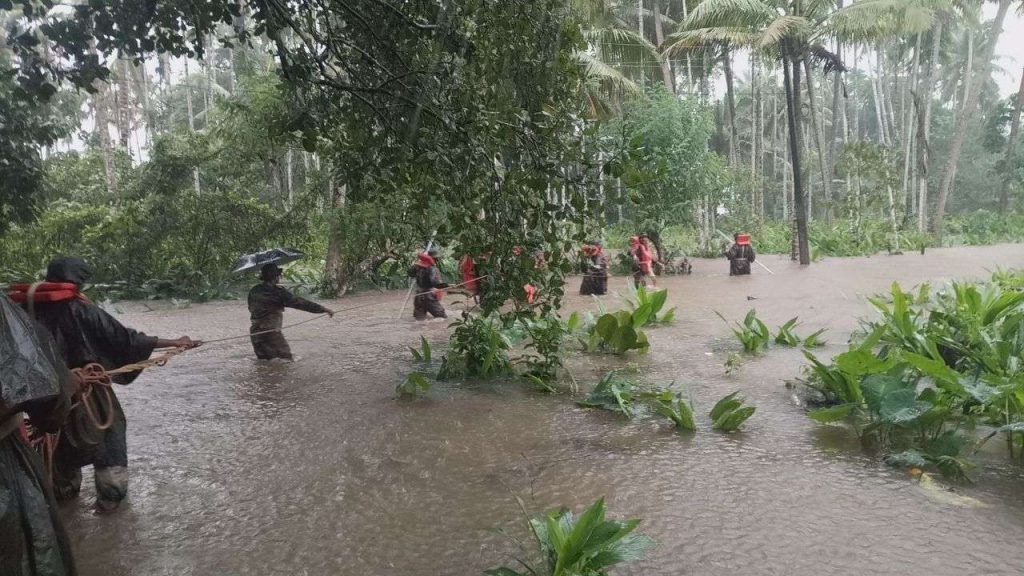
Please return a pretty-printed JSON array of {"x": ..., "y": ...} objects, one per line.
[{"x": 72, "y": 332}]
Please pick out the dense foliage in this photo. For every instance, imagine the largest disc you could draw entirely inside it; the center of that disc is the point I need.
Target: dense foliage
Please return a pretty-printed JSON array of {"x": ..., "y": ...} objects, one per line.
[{"x": 936, "y": 375}]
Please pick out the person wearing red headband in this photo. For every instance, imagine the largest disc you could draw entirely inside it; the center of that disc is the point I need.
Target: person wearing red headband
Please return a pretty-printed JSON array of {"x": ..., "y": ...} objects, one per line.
[
  {"x": 595, "y": 270},
  {"x": 429, "y": 286},
  {"x": 741, "y": 255}
]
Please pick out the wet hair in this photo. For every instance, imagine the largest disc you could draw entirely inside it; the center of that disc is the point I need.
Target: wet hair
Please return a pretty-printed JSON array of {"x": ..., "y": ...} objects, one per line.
[
  {"x": 73, "y": 270},
  {"x": 270, "y": 272}
]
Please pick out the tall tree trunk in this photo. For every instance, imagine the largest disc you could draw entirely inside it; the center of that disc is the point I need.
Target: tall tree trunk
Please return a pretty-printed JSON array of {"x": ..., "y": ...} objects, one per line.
[
  {"x": 191, "y": 123},
  {"x": 879, "y": 114},
  {"x": 791, "y": 74},
  {"x": 819, "y": 139},
  {"x": 689, "y": 64},
  {"x": 731, "y": 99},
  {"x": 908, "y": 117},
  {"x": 970, "y": 104},
  {"x": 924, "y": 128},
  {"x": 753, "y": 136},
  {"x": 334, "y": 269},
  {"x": 659, "y": 36},
  {"x": 1011, "y": 151},
  {"x": 102, "y": 118},
  {"x": 838, "y": 134}
]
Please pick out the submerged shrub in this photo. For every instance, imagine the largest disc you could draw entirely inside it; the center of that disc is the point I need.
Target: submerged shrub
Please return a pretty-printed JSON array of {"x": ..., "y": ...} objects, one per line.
[{"x": 589, "y": 545}]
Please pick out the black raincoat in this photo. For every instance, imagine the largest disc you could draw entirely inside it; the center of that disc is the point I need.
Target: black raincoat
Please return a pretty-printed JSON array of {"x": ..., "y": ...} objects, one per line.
[
  {"x": 86, "y": 334},
  {"x": 266, "y": 310},
  {"x": 428, "y": 279},
  {"x": 32, "y": 539},
  {"x": 740, "y": 259}
]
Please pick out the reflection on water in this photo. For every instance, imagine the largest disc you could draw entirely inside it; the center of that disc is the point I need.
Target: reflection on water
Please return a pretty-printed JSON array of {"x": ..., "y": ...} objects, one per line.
[{"x": 243, "y": 467}]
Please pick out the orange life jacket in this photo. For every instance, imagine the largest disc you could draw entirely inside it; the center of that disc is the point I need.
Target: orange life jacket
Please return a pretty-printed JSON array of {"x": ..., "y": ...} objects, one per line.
[{"x": 45, "y": 292}]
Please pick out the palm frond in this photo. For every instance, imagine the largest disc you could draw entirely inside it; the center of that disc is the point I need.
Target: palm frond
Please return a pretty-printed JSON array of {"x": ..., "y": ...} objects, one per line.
[
  {"x": 688, "y": 40},
  {"x": 827, "y": 60},
  {"x": 750, "y": 14},
  {"x": 619, "y": 44},
  {"x": 784, "y": 27},
  {"x": 602, "y": 74}
]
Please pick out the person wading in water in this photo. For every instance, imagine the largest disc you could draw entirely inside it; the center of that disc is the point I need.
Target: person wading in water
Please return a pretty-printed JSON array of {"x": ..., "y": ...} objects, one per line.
[
  {"x": 428, "y": 287},
  {"x": 645, "y": 258},
  {"x": 86, "y": 334},
  {"x": 740, "y": 255},
  {"x": 595, "y": 270},
  {"x": 34, "y": 382},
  {"x": 267, "y": 301}
]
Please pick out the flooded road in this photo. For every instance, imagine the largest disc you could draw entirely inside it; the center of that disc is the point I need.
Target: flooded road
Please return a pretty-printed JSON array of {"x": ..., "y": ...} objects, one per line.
[{"x": 240, "y": 467}]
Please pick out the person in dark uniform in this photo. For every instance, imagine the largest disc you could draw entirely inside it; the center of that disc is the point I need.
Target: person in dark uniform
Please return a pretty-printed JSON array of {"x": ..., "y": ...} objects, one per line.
[
  {"x": 86, "y": 334},
  {"x": 32, "y": 538},
  {"x": 428, "y": 287},
  {"x": 740, "y": 255},
  {"x": 267, "y": 301},
  {"x": 595, "y": 270}
]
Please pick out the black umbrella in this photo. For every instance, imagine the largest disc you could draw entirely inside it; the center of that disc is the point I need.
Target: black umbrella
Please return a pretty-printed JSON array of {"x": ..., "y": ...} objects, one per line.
[{"x": 259, "y": 259}]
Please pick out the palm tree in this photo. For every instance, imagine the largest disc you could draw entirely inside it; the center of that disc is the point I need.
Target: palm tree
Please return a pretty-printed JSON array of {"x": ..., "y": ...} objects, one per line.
[
  {"x": 789, "y": 31},
  {"x": 973, "y": 86},
  {"x": 617, "y": 56}
]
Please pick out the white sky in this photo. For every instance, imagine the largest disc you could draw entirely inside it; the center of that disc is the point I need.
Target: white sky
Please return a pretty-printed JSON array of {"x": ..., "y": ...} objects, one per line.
[{"x": 1009, "y": 51}]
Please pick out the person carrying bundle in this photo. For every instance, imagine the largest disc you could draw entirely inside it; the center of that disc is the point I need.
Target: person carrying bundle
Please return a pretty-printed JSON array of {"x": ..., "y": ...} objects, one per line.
[
  {"x": 429, "y": 287},
  {"x": 741, "y": 255},
  {"x": 86, "y": 334}
]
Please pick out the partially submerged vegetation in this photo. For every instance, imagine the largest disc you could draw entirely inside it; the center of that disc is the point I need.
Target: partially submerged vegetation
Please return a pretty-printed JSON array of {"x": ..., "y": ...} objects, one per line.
[
  {"x": 935, "y": 377},
  {"x": 588, "y": 545}
]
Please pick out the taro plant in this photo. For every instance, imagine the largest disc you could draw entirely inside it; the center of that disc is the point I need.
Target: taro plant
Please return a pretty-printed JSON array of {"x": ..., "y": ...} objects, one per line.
[
  {"x": 786, "y": 336},
  {"x": 423, "y": 353},
  {"x": 647, "y": 306},
  {"x": 753, "y": 334},
  {"x": 618, "y": 333},
  {"x": 590, "y": 545},
  {"x": 814, "y": 339},
  {"x": 413, "y": 385},
  {"x": 612, "y": 393},
  {"x": 729, "y": 413},
  {"x": 673, "y": 406}
]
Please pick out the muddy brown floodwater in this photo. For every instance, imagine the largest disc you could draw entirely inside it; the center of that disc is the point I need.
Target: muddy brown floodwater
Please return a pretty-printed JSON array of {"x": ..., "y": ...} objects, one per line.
[{"x": 241, "y": 467}]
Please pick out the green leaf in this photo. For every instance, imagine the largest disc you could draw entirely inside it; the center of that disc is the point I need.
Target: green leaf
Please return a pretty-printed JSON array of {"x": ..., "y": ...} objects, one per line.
[
  {"x": 908, "y": 459},
  {"x": 724, "y": 405},
  {"x": 641, "y": 315},
  {"x": 832, "y": 413},
  {"x": 876, "y": 387},
  {"x": 658, "y": 301},
  {"x": 861, "y": 363},
  {"x": 902, "y": 407}
]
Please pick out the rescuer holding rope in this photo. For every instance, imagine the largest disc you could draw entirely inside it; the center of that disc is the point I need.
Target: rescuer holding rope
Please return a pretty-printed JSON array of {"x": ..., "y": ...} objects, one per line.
[
  {"x": 267, "y": 301},
  {"x": 96, "y": 429}
]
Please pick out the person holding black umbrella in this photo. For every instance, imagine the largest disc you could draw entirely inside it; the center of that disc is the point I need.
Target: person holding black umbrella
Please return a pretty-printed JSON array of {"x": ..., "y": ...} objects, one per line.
[{"x": 267, "y": 301}]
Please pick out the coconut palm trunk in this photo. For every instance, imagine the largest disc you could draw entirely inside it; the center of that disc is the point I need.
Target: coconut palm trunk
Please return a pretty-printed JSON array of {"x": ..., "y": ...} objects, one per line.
[
  {"x": 659, "y": 36},
  {"x": 819, "y": 138},
  {"x": 974, "y": 84},
  {"x": 791, "y": 78},
  {"x": 731, "y": 99},
  {"x": 924, "y": 129},
  {"x": 1011, "y": 151}
]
